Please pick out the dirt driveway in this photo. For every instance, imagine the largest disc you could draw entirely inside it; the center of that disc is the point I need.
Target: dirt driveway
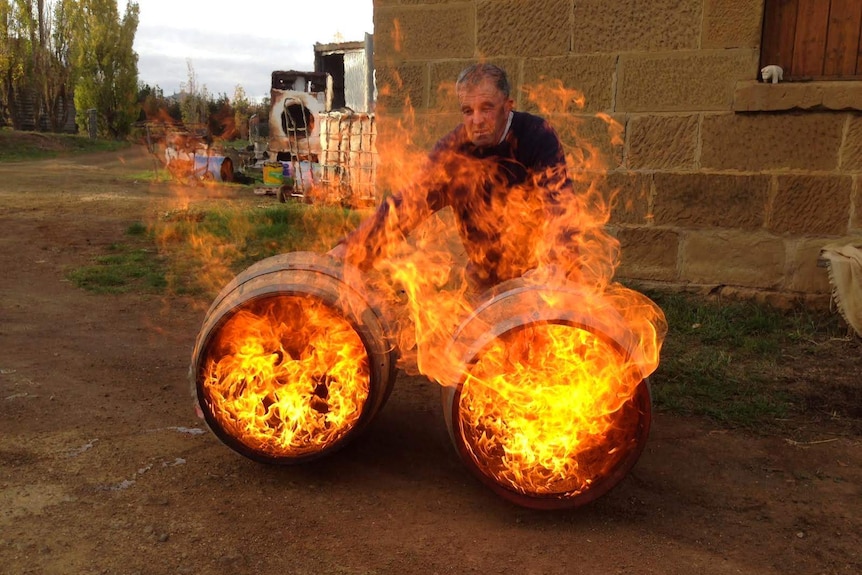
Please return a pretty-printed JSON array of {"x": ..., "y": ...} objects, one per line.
[{"x": 104, "y": 468}]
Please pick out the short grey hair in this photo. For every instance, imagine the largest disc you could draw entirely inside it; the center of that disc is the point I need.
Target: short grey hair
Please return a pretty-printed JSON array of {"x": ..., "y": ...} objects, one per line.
[{"x": 477, "y": 73}]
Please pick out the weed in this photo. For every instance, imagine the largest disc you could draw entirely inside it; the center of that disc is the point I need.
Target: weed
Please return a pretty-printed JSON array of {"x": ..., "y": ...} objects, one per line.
[
  {"x": 16, "y": 145},
  {"x": 733, "y": 362},
  {"x": 126, "y": 267},
  {"x": 727, "y": 360}
]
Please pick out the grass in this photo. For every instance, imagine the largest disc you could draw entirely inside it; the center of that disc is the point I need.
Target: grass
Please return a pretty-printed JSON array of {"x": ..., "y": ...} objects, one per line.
[
  {"x": 18, "y": 145},
  {"x": 131, "y": 266},
  {"x": 726, "y": 360},
  {"x": 720, "y": 360},
  {"x": 198, "y": 252}
]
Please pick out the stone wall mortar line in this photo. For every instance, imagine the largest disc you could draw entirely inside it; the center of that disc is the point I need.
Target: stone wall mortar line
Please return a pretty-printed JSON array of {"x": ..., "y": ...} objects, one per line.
[
  {"x": 680, "y": 255},
  {"x": 650, "y": 214},
  {"x": 791, "y": 246},
  {"x": 771, "y": 196},
  {"x": 626, "y": 144},
  {"x": 845, "y": 134},
  {"x": 698, "y": 143},
  {"x": 426, "y": 96},
  {"x": 855, "y": 207}
]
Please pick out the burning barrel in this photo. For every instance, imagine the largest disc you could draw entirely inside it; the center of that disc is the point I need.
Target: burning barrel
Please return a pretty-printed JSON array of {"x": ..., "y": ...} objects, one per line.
[
  {"x": 551, "y": 410},
  {"x": 291, "y": 362}
]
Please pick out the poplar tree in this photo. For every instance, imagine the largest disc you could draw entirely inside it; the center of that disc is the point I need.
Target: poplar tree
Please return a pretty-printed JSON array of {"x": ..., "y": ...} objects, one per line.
[
  {"x": 106, "y": 66},
  {"x": 55, "y": 83},
  {"x": 35, "y": 65},
  {"x": 15, "y": 61}
]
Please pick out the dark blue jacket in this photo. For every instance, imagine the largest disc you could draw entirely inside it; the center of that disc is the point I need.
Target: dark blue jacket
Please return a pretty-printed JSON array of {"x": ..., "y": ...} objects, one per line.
[{"x": 501, "y": 197}]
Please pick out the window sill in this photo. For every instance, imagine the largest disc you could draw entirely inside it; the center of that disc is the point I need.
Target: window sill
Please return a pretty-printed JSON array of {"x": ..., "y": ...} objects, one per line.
[{"x": 753, "y": 96}]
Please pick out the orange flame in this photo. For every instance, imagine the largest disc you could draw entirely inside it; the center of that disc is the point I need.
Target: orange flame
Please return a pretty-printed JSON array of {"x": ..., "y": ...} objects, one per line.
[
  {"x": 286, "y": 378},
  {"x": 549, "y": 409},
  {"x": 539, "y": 408}
]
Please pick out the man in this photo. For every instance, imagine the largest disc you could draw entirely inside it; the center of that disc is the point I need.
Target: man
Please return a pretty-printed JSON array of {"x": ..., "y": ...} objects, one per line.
[{"x": 502, "y": 172}]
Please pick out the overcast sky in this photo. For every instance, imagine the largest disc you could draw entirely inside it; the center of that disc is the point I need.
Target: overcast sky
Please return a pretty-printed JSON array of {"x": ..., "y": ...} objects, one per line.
[{"x": 240, "y": 42}]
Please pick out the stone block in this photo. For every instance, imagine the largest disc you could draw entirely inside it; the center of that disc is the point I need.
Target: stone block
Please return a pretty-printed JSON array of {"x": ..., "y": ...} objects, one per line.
[
  {"x": 633, "y": 25},
  {"x": 682, "y": 81},
  {"x": 698, "y": 200},
  {"x": 648, "y": 254},
  {"x": 756, "y": 142},
  {"x": 851, "y": 148},
  {"x": 444, "y": 74},
  {"x": 754, "y": 96},
  {"x": 746, "y": 259},
  {"x": 592, "y": 143},
  {"x": 432, "y": 127},
  {"x": 399, "y": 134},
  {"x": 627, "y": 196},
  {"x": 401, "y": 86},
  {"x": 425, "y": 32},
  {"x": 803, "y": 272},
  {"x": 843, "y": 96},
  {"x": 661, "y": 142},
  {"x": 732, "y": 23},
  {"x": 515, "y": 27},
  {"x": 402, "y": 144},
  {"x": 812, "y": 205},
  {"x": 570, "y": 83}
]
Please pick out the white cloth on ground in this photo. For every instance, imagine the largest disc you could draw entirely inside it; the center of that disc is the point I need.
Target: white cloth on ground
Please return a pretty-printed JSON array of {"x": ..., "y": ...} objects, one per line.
[{"x": 844, "y": 264}]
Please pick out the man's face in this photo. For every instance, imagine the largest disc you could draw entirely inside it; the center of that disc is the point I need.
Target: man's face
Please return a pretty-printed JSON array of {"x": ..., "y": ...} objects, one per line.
[{"x": 484, "y": 111}]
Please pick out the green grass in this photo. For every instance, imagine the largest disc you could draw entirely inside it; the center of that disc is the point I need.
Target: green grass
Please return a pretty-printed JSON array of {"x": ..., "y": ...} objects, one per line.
[
  {"x": 134, "y": 266},
  {"x": 18, "y": 145},
  {"x": 720, "y": 360},
  {"x": 203, "y": 249},
  {"x": 725, "y": 360}
]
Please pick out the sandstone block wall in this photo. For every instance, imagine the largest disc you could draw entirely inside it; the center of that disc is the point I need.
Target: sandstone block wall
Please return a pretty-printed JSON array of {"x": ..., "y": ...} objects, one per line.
[{"x": 716, "y": 179}]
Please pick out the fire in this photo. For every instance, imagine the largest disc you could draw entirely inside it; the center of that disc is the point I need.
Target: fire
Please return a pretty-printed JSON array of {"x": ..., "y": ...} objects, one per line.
[
  {"x": 546, "y": 377},
  {"x": 545, "y": 372},
  {"x": 542, "y": 410},
  {"x": 286, "y": 377}
]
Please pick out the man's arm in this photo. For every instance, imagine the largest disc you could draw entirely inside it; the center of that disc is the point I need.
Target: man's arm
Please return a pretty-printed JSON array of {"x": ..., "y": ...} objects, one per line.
[
  {"x": 395, "y": 217},
  {"x": 561, "y": 205}
]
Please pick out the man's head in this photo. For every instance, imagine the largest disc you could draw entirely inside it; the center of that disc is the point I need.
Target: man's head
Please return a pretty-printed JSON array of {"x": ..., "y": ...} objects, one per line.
[{"x": 483, "y": 94}]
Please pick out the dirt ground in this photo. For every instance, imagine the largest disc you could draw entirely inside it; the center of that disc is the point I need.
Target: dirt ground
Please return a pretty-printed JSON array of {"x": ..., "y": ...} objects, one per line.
[{"x": 104, "y": 468}]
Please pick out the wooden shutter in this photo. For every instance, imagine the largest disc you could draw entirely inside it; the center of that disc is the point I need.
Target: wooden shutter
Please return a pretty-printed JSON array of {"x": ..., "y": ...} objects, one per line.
[{"x": 813, "y": 39}]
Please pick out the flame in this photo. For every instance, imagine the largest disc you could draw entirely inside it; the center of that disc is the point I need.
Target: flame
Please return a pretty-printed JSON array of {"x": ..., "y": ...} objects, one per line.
[
  {"x": 432, "y": 291},
  {"x": 287, "y": 377},
  {"x": 551, "y": 407},
  {"x": 546, "y": 408},
  {"x": 541, "y": 411}
]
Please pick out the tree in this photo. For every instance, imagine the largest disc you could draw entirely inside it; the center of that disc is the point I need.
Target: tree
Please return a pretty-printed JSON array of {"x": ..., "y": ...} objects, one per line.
[
  {"x": 220, "y": 116},
  {"x": 15, "y": 59},
  {"x": 56, "y": 81},
  {"x": 193, "y": 99},
  {"x": 241, "y": 111},
  {"x": 35, "y": 80},
  {"x": 106, "y": 66}
]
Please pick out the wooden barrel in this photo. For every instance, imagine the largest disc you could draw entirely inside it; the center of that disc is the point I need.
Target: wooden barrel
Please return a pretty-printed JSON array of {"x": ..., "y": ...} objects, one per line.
[
  {"x": 512, "y": 326},
  {"x": 292, "y": 362}
]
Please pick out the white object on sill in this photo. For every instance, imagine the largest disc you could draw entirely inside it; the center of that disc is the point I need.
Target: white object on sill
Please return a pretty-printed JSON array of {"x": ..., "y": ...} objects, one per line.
[{"x": 772, "y": 73}]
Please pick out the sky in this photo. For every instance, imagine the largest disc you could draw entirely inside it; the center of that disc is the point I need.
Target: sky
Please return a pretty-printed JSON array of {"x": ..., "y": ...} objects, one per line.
[{"x": 239, "y": 43}]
